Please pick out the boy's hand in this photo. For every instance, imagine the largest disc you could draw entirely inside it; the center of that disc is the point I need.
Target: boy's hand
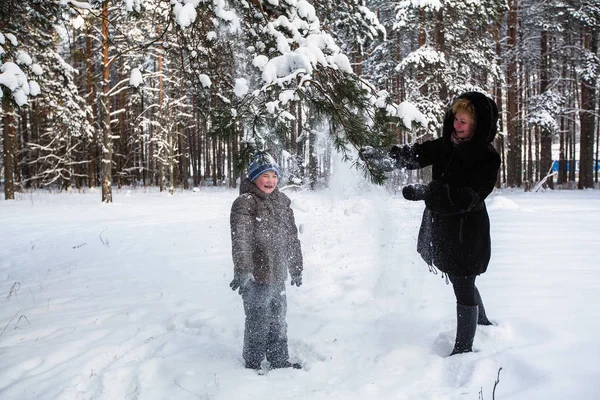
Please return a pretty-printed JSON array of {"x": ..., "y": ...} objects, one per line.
[
  {"x": 296, "y": 280},
  {"x": 240, "y": 281}
]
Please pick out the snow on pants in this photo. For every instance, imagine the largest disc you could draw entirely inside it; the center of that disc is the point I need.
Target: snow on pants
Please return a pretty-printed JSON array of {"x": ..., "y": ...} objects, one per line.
[{"x": 265, "y": 332}]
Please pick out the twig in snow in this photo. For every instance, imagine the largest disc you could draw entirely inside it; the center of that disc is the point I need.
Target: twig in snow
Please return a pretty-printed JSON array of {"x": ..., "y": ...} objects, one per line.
[
  {"x": 177, "y": 384},
  {"x": 494, "y": 390},
  {"x": 496, "y": 384},
  {"x": 19, "y": 320},
  {"x": 9, "y": 323},
  {"x": 217, "y": 385},
  {"x": 13, "y": 290},
  {"x": 544, "y": 179},
  {"x": 104, "y": 241},
  {"x": 135, "y": 390}
]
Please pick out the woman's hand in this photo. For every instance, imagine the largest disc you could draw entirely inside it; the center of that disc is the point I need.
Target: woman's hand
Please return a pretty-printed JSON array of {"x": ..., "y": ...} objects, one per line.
[{"x": 415, "y": 192}]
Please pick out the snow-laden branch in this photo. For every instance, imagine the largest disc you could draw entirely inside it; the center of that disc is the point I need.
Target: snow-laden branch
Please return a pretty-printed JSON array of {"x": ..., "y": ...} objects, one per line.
[
  {"x": 84, "y": 5},
  {"x": 12, "y": 77},
  {"x": 113, "y": 91}
]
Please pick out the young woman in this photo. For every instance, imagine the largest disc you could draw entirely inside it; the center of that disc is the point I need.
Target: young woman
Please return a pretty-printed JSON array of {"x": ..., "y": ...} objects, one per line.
[{"x": 454, "y": 236}]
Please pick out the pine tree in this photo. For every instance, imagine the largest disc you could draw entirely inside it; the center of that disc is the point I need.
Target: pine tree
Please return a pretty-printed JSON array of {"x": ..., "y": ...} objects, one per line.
[
  {"x": 15, "y": 66},
  {"x": 291, "y": 61},
  {"x": 435, "y": 51}
]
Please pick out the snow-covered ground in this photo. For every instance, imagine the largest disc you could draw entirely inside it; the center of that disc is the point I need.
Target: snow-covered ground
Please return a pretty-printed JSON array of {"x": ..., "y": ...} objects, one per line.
[{"x": 130, "y": 300}]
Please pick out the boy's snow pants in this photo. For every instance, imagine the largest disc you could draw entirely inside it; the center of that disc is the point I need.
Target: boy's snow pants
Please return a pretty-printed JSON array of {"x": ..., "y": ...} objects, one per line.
[{"x": 265, "y": 332}]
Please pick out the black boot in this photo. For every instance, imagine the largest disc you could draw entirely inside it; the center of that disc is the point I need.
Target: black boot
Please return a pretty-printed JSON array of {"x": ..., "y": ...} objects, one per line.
[
  {"x": 466, "y": 325},
  {"x": 482, "y": 319}
]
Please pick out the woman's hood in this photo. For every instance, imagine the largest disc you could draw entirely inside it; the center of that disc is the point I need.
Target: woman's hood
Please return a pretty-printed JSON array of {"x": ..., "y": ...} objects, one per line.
[{"x": 486, "y": 116}]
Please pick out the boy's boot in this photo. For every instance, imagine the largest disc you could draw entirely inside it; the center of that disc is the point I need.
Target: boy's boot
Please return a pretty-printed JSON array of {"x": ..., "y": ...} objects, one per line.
[
  {"x": 482, "y": 319},
  {"x": 286, "y": 364},
  {"x": 466, "y": 325},
  {"x": 252, "y": 365}
]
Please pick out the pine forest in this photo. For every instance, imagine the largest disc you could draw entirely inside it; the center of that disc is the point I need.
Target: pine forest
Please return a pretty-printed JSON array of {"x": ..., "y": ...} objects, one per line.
[{"x": 179, "y": 94}]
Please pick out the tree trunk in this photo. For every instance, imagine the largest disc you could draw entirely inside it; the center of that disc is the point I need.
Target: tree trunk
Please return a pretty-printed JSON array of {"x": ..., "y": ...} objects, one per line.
[
  {"x": 91, "y": 100},
  {"x": 529, "y": 160},
  {"x": 440, "y": 40},
  {"x": 163, "y": 122},
  {"x": 107, "y": 145},
  {"x": 197, "y": 154},
  {"x": 313, "y": 164},
  {"x": 8, "y": 133},
  {"x": 562, "y": 160},
  {"x": 300, "y": 143},
  {"x": 235, "y": 151},
  {"x": 546, "y": 136},
  {"x": 572, "y": 147},
  {"x": 586, "y": 117},
  {"x": 528, "y": 136},
  {"x": 123, "y": 153},
  {"x": 499, "y": 140},
  {"x": 214, "y": 161},
  {"x": 172, "y": 148},
  {"x": 422, "y": 73},
  {"x": 184, "y": 158},
  {"x": 220, "y": 164},
  {"x": 563, "y": 137},
  {"x": 293, "y": 127},
  {"x": 18, "y": 186},
  {"x": 514, "y": 140},
  {"x": 207, "y": 148},
  {"x": 192, "y": 134},
  {"x": 597, "y": 160},
  {"x": 537, "y": 152},
  {"x": 26, "y": 139}
]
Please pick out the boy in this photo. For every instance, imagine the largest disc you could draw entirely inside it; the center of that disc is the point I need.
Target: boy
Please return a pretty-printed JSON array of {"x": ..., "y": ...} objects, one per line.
[{"x": 265, "y": 247}]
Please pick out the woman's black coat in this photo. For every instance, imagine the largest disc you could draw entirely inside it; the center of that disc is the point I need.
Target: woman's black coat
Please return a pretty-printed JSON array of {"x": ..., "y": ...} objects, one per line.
[{"x": 455, "y": 230}]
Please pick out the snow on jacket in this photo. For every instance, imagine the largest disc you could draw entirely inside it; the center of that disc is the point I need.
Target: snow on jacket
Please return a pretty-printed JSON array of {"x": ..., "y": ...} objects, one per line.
[
  {"x": 264, "y": 236},
  {"x": 455, "y": 229}
]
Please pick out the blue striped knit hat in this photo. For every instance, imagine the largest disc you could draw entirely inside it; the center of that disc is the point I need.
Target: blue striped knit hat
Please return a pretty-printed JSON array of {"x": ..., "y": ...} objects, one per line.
[{"x": 262, "y": 163}]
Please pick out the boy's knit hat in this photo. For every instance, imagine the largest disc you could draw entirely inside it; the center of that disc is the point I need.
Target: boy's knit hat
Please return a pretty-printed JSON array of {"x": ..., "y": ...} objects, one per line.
[{"x": 262, "y": 163}]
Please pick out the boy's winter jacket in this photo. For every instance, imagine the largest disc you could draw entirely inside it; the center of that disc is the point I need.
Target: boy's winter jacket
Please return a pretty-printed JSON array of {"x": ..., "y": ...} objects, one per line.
[
  {"x": 455, "y": 230},
  {"x": 264, "y": 235}
]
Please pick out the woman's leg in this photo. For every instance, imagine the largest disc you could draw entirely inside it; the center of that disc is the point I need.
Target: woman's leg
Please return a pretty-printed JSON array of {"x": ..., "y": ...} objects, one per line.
[
  {"x": 482, "y": 318},
  {"x": 466, "y": 313},
  {"x": 466, "y": 293},
  {"x": 464, "y": 289}
]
